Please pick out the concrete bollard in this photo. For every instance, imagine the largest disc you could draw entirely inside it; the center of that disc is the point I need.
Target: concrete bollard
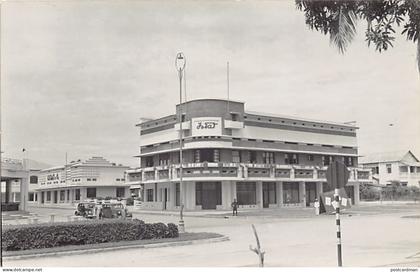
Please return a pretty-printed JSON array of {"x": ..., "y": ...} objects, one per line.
[{"x": 52, "y": 217}]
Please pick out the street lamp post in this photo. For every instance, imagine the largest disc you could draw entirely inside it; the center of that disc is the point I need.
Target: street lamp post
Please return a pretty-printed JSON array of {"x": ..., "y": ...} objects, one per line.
[{"x": 180, "y": 62}]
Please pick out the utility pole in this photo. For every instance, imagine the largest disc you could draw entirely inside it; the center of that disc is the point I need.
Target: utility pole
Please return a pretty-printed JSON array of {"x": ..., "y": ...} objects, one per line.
[{"x": 180, "y": 62}]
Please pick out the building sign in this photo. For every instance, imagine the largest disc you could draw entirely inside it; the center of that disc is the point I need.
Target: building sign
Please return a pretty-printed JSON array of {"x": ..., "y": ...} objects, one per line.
[{"x": 207, "y": 126}]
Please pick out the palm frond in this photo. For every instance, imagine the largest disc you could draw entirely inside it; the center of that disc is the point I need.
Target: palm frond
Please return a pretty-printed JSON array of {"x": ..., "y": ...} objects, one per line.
[{"x": 343, "y": 30}]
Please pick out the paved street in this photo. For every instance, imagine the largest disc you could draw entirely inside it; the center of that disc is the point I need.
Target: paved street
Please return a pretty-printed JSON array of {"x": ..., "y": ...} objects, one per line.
[{"x": 373, "y": 235}]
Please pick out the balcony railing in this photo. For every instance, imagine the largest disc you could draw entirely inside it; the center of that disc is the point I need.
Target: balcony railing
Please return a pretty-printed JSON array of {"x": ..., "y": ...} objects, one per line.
[{"x": 240, "y": 171}]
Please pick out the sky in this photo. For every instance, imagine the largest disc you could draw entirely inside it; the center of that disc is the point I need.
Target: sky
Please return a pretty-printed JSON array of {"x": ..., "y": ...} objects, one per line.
[{"x": 78, "y": 75}]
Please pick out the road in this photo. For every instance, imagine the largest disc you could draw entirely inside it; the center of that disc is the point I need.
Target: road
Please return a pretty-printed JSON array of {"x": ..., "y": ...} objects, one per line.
[{"x": 372, "y": 236}]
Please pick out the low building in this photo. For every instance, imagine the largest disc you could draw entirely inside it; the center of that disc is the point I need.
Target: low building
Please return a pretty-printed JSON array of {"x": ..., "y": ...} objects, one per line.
[
  {"x": 402, "y": 166},
  {"x": 34, "y": 168},
  {"x": 262, "y": 160},
  {"x": 82, "y": 180},
  {"x": 14, "y": 184}
]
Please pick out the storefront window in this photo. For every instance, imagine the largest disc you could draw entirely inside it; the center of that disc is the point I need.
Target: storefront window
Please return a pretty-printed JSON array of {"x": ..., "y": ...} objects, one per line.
[
  {"x": 120, "y": 192},
  {"x": 62, "y": 195},
  {"x": 49, "y": 196},
  {"x": 90, "y": 192},
  {"x": 246, "y": 193},
  {"x": 77, "y": 194},
  {"x": 149, "y": 193}
]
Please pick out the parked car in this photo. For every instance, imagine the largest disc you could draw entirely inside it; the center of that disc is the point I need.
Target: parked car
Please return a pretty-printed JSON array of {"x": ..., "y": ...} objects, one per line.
[
  {"x": 115, "y": 210},
  {"x": 88, "y": 209}
]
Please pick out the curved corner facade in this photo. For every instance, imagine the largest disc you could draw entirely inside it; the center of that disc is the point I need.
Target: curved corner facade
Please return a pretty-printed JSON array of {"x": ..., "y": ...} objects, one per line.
[{"x": 262, "y": 160}]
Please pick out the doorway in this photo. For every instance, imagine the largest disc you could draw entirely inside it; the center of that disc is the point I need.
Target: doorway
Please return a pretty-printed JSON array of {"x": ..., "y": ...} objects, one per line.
[
  {"x": 208, "y": 194},
  {"x": 310, "y": 191},
  {"x": 269, "y": 193}
]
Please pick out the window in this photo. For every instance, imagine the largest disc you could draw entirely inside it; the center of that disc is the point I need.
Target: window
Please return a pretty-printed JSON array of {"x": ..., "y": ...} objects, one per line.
[
  {"x": 120, "y": 192},
  {"x": 164, "y": 159},
  {"x": 183, "y": 117},
  {"x": 208, "y": 155},
  {"x": 234, "y": 116},
  {"x": 412, "y": 169},
  {"x": 291, "y": 158},
  {"x": 62, "y": 195},
  {"x": 388, "y": 168},
  {"x": 349, "y": 161},
  {"x": 326, "y": 160},
  {"x": 216, "y": 155},
  {"x": 375, "y": 170},
  {"x": 403, "y": 169},
  {"x": 310, "y": 157},
  {"x": 77, "y": 194},
  {"x": 149, "y": 195},
  {"x": 246, "y": 193},
  {"x": 90, "y": 192},
  {"x": 235, "y": 156},
  {"x": 31, "y": 197},
  {"x": 268, "y": 157},
  {"x": 149, "y": 161},
  {"x": 68, "y": 195},
  {"x": 177, "y": 195},
  {"x": 253, "y": 156},
  {"x": 49, "y": 196},
  {"x": 33, "y": 180}
]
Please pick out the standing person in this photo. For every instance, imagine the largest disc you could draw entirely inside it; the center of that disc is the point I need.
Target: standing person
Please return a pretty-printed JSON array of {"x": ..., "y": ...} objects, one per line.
[
  {"x": 234, "y": 207},
  {"x": 316, "y": 205}
]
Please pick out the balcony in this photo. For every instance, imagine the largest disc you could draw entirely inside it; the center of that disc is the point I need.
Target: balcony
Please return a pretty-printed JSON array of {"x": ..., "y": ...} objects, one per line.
[
  {"x": 234, "y": 124},
  {"x": 185, "y": 126},
  {"x": 240, "y": 171}
]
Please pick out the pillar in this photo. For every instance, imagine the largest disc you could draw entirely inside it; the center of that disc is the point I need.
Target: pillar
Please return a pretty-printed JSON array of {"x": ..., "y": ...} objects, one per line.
[
  {"x": 24, "y": 184},
  {"x": 172, "y": 197},
  {"x": 356, "y": 192},
  {"x": 259, "y": 194},
  {"x": 318, "y": 189},
  {"x": 189, "y": 195},
  {"x": 302, "y": 194},
  {"x": 233, "y": 191},
  {"x": 279, "y": 188},
  {"x": 226, "y": 195}
]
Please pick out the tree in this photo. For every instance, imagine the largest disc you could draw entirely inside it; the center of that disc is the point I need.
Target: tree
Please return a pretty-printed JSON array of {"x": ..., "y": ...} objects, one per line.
[{"x": 338, "y": 20}]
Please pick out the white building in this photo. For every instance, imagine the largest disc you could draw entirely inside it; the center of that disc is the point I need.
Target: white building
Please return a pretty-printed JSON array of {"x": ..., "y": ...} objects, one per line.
[
  {"x": 261, "y": 160},
  {"x": 402, "y": 166},
  {"x": 81, "y": 180}
]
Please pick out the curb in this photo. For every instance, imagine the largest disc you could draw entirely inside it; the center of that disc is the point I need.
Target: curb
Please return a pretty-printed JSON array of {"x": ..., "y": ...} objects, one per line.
[{"x": 95, "y": 250}]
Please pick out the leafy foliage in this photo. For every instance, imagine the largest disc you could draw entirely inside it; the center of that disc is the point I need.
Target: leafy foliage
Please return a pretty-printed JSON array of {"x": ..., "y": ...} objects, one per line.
[
  {"x": 84, "y": 232},
  {"x": 338, "y": 19}
]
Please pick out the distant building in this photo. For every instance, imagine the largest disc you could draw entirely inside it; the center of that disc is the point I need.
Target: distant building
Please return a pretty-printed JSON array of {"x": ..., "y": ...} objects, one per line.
[
  {"x": 402, "y": 166},
  {"x": 81, "y": 180},
  {"x": 262, "y": 160},
  {"x": 14, "y": 184},
  {"x": 34, "y": 168}
]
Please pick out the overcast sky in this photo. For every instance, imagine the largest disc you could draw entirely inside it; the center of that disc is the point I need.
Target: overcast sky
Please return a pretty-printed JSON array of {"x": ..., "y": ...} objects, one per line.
[{"x": 78, "y": 75}]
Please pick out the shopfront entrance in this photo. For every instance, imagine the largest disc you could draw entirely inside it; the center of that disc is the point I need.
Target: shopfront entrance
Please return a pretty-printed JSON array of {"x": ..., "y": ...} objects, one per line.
[
  {"x": 269, "y": 193},
  {"x": 208, "y": 194},
  {"x": 310, "y": 191}
]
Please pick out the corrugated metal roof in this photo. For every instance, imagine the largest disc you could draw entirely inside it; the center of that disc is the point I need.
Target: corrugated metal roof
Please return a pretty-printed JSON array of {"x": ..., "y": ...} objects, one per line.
[{"x": 392, "y": 156}]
